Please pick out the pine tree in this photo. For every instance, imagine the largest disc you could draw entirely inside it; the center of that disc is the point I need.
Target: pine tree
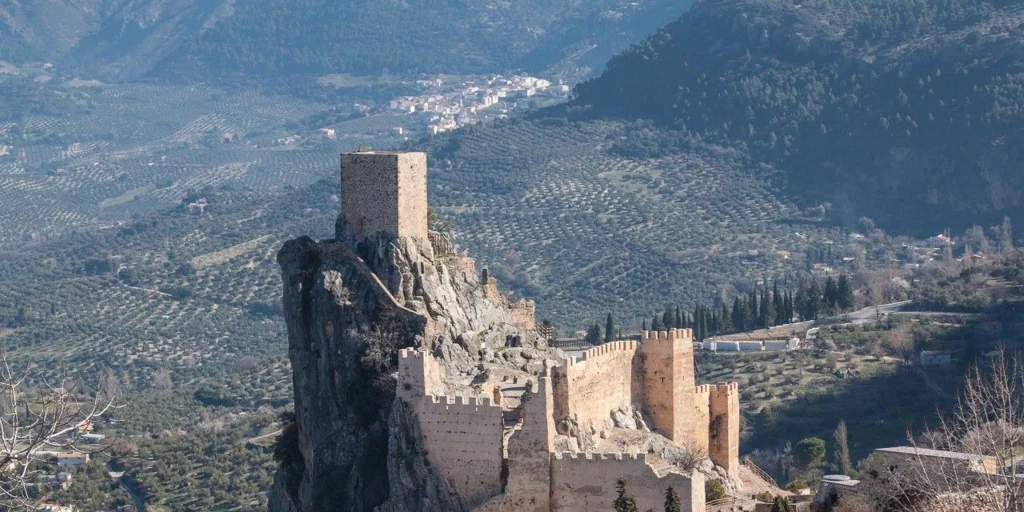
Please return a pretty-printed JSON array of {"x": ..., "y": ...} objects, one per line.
[
  {"x": 672, "y": 501},
  {"x": 609, "y": 329},
  {"x": 624, "y": 501},
  {"x": 846, "y": 299}
]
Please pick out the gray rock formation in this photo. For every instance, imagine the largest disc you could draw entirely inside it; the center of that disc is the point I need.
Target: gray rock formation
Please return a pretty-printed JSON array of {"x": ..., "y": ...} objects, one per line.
[{"x": 349, "y": 309}]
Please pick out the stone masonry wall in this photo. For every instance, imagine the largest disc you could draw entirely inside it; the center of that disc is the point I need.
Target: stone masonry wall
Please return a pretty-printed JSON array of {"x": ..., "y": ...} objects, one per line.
[
  {"x": 702, "y": 405},
  {"x": 529, "y": 454},
  {"x": 602, "y": 380},
  {"x": 419, "y": 375},
  {"x": 462, "y": 437},
  {"x": 724, "y": 429},
  {"x": 587, "y": 482},
  {"x": 669, "y": 389},
  {"x": 521, "y": 313},
  {"x": 384, "y": 192}
]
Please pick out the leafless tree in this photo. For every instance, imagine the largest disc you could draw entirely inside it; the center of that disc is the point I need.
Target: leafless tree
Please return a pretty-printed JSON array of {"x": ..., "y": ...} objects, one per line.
[
  {"x": 901, "y": 341},
  {"x": 986, "y": 431},
  {"x": 42, "y": 415}
]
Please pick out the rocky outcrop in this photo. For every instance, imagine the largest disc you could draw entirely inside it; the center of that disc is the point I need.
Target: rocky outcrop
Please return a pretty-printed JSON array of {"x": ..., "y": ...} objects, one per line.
[{"x": 349, "y": 308}]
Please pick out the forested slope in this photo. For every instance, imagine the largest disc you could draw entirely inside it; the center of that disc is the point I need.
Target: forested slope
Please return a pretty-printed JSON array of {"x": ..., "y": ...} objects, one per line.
[{"x": 908, "y": 111}]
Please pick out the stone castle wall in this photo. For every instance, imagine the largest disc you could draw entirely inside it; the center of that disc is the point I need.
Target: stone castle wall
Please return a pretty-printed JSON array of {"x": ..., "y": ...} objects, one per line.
[
  {"x": 724, "y": 427},
  {"x": 602, "y": 380},
  {"x": 702, "y": 406},
  {"x": 462, "y": 437},
  {"x": 529, "y": 453},
  {"x": 587, "y": 481},
  {"x": 419, "y": 375},
  {"x": 384, "y": 192},
  {"x": 668, "y": 385},
  {"x": 521, "y": 313}
]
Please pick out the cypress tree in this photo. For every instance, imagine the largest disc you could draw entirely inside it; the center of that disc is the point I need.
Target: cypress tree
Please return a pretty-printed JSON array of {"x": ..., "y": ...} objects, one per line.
[
  {"x": 777, "y": 302},
  {"x": 800, "y": 301},
  {"x": 680, "y": 322},
  {"x": 609, "y": 329},
  {"x": 644, "y": 325},
  {"x": 668, "y": 319},
  {"x": 845, "y": 292},
  {"x": 624, "y": 501},
  {"x": 755, "y": 312},
  {"x": 656, "y": 323},
  {"x": 831, "y": 295},
  {"x": 672, "y": 501},
  {"x": 812, "y": 306},
  {"x": 725, "y": 319},
  {"x": 737, "y": 315}
]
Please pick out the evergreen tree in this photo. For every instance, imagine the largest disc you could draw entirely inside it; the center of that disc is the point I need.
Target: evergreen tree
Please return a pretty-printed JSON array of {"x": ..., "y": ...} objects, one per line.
[
  {"x": 643, "y": 327},
  {"x": 609, "y": 329},
  {"x": 656, "y": 323},
  {"x": 1006, "y": 236},
  {"x": 845, "y": 291},
  {"x": 842, "y": 449},
  {"x": 624, "y": 501},
  {"x": 768, "y": 311},
  {"x": 755, "y": 312},
  {"x": 800, "y": 300},
  {"x": 702, "y": 326},
  {"x": 777, "y": 302},
  {"x": 812, "y": 306},
  {"x": 593, "y": 335},
  {"x": 680, "y": 322},
  {"x": 781, "y": 504},
  {"x": 737, "y": 315},
  {"x": 831, "y": 295},
  {"x": 672, "y": 501},
  {"x": 668, "y": 319},
  {"x": 725, "y": 319}
]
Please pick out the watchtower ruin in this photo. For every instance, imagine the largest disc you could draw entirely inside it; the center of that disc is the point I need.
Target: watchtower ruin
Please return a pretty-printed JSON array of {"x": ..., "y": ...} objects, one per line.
[{"x": 384, "y": 192}]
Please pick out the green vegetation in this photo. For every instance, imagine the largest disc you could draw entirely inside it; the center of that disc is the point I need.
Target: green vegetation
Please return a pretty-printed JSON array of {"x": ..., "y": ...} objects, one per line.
[
  {"x": 903, "y": 109},
  {"x": 713, "y": 490},
  {"x": 624, "y": 501}
]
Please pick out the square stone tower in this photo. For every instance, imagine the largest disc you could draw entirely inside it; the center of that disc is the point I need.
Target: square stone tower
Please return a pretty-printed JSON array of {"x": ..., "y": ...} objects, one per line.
[
  {"x": 384, "y": 191},
  {"x": 669, "y": 386}
]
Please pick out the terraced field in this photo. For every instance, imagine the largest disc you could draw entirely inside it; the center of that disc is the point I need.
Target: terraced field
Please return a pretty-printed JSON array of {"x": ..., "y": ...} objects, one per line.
[{"x": 584, "y": 232}]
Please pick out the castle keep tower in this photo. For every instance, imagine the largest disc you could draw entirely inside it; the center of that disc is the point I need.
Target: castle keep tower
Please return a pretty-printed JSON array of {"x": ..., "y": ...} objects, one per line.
[
  {"x": 669, "y": 383},
  {"x": 384, "y": 191}
]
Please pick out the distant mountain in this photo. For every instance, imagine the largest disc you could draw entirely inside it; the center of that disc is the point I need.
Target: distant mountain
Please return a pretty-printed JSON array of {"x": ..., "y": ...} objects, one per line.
[
  {"x": 909, "y": 111},
  {"x": 190, "y": 40},
  {"x": 46, "y": 30}
]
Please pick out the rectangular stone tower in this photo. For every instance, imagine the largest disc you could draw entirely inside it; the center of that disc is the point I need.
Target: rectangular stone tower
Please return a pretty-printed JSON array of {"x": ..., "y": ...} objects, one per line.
[
  {"x": 724, "y": 426},
  {"x": 384, "y": 191},
  {"x": 668, "y": 384}
]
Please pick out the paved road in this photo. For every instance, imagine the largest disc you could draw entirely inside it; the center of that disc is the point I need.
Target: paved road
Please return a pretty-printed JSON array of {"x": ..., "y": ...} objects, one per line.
[{"x": 140, "y": 506}]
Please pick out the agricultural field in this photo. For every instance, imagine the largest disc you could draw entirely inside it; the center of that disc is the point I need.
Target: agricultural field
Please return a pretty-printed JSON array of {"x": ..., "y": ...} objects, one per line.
[{"x": 563, "y": 221}]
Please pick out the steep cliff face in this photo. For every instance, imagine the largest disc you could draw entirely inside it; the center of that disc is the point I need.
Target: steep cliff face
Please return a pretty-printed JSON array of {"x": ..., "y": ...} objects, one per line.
[{"x": 349, "y": 309}]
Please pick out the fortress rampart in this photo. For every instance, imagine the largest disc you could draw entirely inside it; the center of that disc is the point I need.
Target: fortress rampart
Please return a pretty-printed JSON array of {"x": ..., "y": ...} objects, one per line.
[
  {"x": 463, "y": 437},
  {"x": 588, "y": 389},
  {"x": 724, "y": 426},
  {"x": 586, "y": 481}
]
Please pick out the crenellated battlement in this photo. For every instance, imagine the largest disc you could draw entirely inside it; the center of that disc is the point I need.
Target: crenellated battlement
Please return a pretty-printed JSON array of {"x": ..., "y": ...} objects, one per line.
[
  {"x": 600, "y": 456},
  {"x": 669, "y": 335},
  {"x": 475, "y": 401}
]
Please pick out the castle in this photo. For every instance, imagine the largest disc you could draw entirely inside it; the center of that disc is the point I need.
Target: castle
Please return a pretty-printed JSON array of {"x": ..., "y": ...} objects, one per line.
[{"x": 560, "y": 436}]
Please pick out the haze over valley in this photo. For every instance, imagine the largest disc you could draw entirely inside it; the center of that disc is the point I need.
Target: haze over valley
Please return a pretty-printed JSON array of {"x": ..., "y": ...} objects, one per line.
[{"x": 827, "y": 192}]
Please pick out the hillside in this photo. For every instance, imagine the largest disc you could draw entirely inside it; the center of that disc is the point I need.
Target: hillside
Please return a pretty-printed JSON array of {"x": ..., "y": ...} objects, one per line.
[
  {"x": 905, "y": 111},
  {"x": 203, "y": 40}
]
